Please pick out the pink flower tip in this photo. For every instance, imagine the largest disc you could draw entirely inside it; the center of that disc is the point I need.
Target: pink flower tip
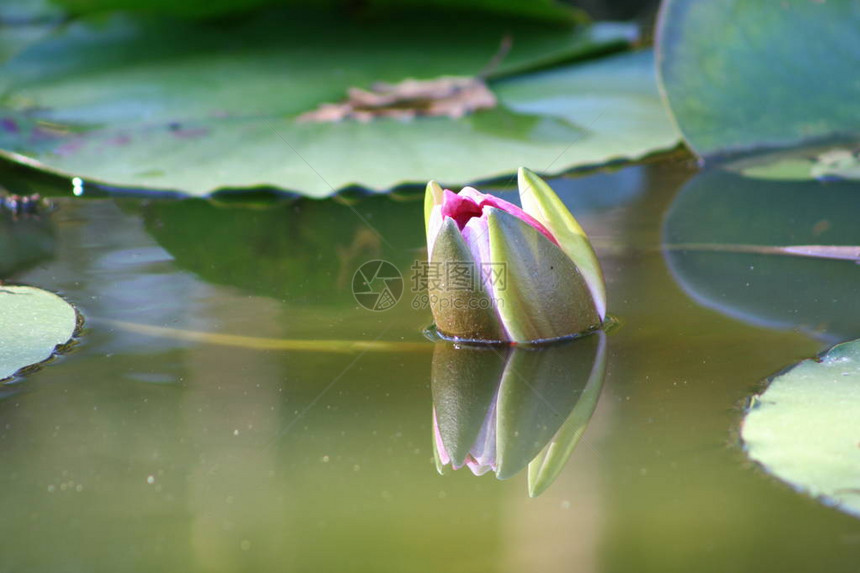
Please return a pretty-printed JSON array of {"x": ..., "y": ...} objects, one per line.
[{"x": 470, "y": 203}]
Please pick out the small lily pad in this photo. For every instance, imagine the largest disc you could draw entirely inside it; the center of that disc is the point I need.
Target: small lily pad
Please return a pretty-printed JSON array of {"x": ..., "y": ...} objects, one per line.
[
  {"x": 33, "y": 322},
  {"x": 805, "y": 428}
]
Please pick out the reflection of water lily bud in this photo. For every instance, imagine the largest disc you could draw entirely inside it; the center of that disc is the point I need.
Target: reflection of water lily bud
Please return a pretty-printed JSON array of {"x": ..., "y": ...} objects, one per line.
[
  {"x": 502, "y": 273},
  {"x": 504, "y": 409}
]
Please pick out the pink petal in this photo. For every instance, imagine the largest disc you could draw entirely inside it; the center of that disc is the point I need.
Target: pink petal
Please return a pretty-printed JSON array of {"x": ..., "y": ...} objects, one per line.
[
  {"x": 460, "y": 208},
  {"x": 470, "y": 203}
]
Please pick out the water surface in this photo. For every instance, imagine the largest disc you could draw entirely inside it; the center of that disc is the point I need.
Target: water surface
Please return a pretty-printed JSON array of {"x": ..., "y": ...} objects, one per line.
[{"x": 140, "y": 453}]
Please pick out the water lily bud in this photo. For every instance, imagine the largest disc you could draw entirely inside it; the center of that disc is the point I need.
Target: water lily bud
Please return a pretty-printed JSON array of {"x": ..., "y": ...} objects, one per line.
[{"x": 508, "y": 274}]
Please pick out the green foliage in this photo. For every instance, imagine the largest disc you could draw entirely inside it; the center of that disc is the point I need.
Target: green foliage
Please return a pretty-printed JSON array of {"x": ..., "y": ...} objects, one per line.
[{"x": 743, "y": 74}]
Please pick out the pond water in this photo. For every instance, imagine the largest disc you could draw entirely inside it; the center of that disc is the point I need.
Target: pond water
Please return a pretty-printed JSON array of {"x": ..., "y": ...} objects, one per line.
[{"x": 217, "y": 442}]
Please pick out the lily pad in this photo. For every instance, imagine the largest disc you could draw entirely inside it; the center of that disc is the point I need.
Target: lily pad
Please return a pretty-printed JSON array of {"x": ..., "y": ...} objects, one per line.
[
  {"x": 805, "y": 427},
  {"x": 15, "y": 39},
  {"x": 33, "y": 323},
  {"x": 178, "y": 106},
  {"x": 762, "y": 250},
  {"x": 24, "y": 22},
  {"x": 16, "y": 12},
  {"x": 742, "y": 74}
]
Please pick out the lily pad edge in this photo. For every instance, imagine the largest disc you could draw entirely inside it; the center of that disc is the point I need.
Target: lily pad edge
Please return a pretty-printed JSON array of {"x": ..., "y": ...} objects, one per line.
[{"x": 59, "y": 350}]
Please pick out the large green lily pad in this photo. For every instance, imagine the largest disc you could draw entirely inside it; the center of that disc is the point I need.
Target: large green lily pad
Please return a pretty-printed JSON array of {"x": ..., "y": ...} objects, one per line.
[
  {"x": 805, "y": 428},
  {"x": 15, "y": 39},
  {"x": 24, "y": 22},
  {"x": 17, "y": 12},
  {"x": 741, "y": 74},
  {"x": 33, "y": 323},
  {"x": 191, "y": 107}
]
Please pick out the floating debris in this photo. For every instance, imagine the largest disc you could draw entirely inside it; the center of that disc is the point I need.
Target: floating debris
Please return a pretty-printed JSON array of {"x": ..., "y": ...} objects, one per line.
[{"x": 23, "y": 205}]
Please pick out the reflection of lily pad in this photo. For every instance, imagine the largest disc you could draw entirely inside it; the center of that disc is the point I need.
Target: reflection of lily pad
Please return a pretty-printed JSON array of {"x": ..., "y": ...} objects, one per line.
[
  {"x": 256, "y": 248},
  {"x": 33, "y": 323},
  {"x": 830, "y": 162},
  {"x": 717, "y": 239},
  {"x": 805, "y": 428},
  {"x": 195, "y": 108},
  {"x": 740, "y": 74}
]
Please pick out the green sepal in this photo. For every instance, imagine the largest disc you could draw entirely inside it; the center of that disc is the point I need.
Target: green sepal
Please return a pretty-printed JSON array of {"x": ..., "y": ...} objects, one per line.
[
  {"x": 542, "y": 295},
  {"x": 547, "y": 465},
  {"x": 469, "y": 313},
  {"x": 540, "y": 201},
  {"x": 433, "y": 196}
]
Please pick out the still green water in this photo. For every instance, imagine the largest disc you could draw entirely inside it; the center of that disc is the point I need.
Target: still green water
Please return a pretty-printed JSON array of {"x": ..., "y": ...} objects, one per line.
[{"x": 143, "y": 451}]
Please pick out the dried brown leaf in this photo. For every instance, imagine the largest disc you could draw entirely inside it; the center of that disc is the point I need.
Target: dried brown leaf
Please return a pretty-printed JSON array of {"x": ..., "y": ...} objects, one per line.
[{"x": 443, "y": 97}]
